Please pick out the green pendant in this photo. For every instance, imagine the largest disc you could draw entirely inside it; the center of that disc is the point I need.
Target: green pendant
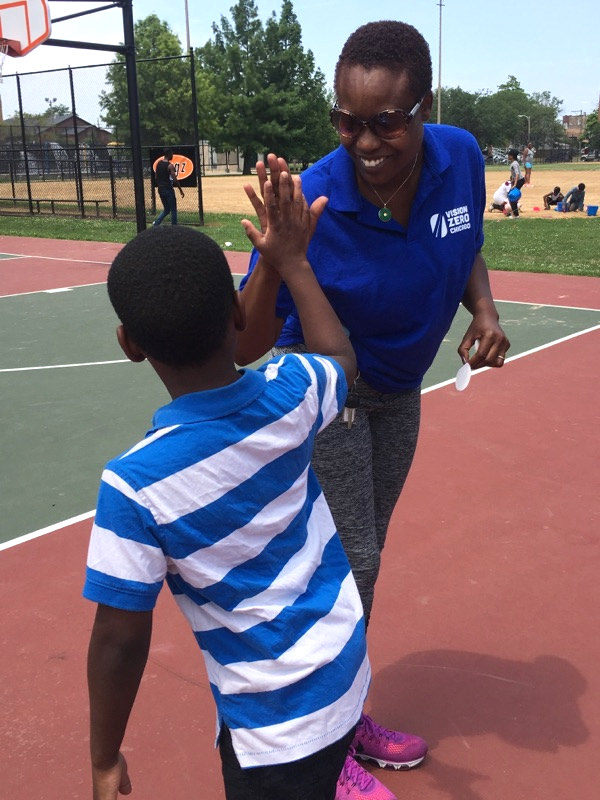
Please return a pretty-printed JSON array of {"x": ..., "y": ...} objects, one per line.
[{"x": 384, "y": 214}]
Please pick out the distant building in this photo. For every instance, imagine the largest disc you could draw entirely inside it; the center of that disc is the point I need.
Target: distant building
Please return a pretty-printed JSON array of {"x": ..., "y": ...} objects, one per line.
[
  {"x": 62, "y": 129},
  {"x": 574, "y": 124}
]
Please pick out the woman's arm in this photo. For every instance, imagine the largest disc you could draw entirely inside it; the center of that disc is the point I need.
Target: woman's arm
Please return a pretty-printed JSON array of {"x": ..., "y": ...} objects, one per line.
[{"x": 262, "y": 325}]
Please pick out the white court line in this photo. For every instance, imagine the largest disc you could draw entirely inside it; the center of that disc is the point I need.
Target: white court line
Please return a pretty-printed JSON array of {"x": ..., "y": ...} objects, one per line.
[
  {"x": 544, "y": 305},
  {"x": 51, "y": 291},
  {"x": 57, "y": 258},
  {"x": 67, "y": 366},
  {"x": 51, "y": 528},
  {"x": 517, "y": 356}
]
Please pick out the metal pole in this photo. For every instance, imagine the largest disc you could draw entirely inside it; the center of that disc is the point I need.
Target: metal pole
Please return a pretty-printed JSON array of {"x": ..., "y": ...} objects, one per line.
[
  {"x": 77, "y": 160},
  {"x": 439, "y": 97},
  {"x": 187, "y": 26},
  {"x": 134, "y": 116},
  {"x": 24, "y": 141},
  {"x": 196, "y": 135}
]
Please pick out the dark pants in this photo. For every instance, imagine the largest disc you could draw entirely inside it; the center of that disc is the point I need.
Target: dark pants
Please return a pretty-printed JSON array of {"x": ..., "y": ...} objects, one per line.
[
  {"x": 311, "y": 778},
  {"x": 169, "y": 202}
]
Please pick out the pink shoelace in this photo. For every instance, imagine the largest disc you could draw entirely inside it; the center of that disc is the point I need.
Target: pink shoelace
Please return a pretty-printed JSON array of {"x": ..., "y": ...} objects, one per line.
[{"x": 354, "y": 773}]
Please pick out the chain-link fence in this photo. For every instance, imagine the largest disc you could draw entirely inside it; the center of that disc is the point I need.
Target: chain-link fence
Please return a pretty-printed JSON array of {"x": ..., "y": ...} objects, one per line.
[{"x": 67, "y": 161}]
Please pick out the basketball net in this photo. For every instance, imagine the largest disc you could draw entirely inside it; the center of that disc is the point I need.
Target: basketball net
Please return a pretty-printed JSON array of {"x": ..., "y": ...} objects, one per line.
[{"x": 3, "y": 52}]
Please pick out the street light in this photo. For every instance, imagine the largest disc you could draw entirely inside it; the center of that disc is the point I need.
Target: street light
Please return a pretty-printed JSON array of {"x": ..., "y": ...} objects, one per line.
[{"x": 528, "y": 125}]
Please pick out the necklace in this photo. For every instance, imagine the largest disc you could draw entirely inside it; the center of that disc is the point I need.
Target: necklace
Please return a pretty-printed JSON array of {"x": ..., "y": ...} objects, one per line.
[{"x": 384, "y": 213}]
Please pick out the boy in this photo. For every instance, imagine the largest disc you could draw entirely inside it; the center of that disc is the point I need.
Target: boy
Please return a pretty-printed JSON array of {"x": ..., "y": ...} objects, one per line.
[
  {"x": 575, "y": 198},
  {"x": 552, "y": 198},
  {"x": 220, "y": 499},
  {"x": 500, "y": 197},
  {"x": 513, "y": 198}
]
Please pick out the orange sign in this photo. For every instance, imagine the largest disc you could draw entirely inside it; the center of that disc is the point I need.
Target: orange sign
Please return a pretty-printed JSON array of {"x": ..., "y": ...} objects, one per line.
[{"x": 183, "y": 166}]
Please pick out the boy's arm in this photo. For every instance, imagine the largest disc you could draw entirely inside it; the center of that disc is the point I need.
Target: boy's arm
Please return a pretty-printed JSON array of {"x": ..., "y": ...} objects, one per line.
[
  {"x": 289, "y": 226},
  {"x": 117, "y": 655},
  {"x": 259, "y": 297},
  {"x": 263, "y": 326}
]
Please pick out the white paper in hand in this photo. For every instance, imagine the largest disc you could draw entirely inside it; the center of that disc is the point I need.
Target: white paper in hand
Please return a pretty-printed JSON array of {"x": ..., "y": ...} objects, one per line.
[{"x": 463, "y": 376}]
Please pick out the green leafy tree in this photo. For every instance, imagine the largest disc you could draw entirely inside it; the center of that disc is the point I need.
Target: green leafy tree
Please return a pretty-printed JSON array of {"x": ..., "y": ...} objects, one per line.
[
  {"x": 500, "y": 117},
  {"x": 268, "y": 94},
  {"x": 164, "y": 88},
  {"x": 591, "y": 133}
]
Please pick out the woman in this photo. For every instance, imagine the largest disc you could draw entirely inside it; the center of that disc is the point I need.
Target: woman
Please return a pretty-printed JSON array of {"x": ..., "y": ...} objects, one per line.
[{"x": 396, "y": 250}]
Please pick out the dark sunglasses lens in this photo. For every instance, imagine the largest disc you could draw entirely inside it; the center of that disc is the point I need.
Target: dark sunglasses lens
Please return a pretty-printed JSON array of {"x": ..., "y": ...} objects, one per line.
[
  {"x": 389, "y": 124},
  {"x": 345, "y": 124}
]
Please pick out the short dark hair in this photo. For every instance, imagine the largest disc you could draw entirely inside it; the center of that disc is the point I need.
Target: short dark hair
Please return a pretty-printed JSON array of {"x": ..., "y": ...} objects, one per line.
[
  {"x": 513, "y": 153},
  {"x": 393, "y": 45},
  {"x": 520, "y": 183},
  {"x": 173, "y": 291},
  {"x": 168, "y": 153},
  {"x": 581, "y": 187}
]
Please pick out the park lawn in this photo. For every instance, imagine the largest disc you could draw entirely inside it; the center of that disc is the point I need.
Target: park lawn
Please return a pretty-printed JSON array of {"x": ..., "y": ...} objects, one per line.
[{"x": 568, "y": 246}]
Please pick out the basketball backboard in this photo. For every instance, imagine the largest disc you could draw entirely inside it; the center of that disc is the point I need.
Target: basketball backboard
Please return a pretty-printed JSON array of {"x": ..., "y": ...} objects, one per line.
[{"x": 23, "y": 25}]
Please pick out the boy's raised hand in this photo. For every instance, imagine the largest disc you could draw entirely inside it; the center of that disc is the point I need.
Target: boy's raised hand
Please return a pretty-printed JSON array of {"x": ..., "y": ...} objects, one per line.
[{"x": 286, "y": 220}]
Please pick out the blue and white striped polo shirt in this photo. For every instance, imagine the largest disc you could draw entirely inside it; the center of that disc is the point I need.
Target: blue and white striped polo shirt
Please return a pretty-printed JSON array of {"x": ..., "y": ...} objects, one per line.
[{"x": 220, "y": 500}]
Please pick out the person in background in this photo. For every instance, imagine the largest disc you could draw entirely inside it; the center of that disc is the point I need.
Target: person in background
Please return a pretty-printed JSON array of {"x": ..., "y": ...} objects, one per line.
[
  {"x": 528, "y": 155},
  {"x": 515, "y": 167},
  {"x": 396, "y": 250},
  {"x": 166, "y": 183},
  {"x": 574, "y": 198},
  {"x": 552, "y": 198},
  {"x": 500, "y": 197},
  {"x": 513, "y": 198}
]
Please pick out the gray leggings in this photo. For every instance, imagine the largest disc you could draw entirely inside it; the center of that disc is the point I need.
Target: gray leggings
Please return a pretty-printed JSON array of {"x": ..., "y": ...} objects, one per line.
[{"x": 362, "y": 471}]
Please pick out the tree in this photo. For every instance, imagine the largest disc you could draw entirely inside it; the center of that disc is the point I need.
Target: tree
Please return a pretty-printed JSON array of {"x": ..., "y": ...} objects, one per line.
[
  {"x": 268, "y": 95},
  {"x": 498, "y": 117},
  {"x": 164, "y": 88},
  {"x": 591, "y": 134}
]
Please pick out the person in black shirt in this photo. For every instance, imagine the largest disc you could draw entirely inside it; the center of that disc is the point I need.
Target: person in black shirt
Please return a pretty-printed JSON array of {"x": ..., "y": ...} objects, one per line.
[{"x": 166, "y": 181}]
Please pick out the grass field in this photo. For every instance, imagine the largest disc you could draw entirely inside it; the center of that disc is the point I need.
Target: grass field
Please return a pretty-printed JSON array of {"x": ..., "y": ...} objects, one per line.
[{"x": 537, "y": 242}]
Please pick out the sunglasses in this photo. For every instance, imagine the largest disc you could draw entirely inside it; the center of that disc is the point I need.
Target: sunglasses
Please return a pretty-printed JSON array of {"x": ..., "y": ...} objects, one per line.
[{"x": 389, "y": 124}]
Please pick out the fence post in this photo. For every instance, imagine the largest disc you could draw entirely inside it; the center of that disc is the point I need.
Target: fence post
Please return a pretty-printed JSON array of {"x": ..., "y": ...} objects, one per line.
[
  {"x": 113, "y": 193},
  {"x": 23, "y": 135},
  {"x": 196, "y": 135},
  {"x": 78, "y": 180},
  {"x": 134, "y": 115}
]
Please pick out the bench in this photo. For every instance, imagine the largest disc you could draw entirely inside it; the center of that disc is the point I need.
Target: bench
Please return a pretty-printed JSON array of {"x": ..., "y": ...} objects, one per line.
[{"x": 53, "y": 200}]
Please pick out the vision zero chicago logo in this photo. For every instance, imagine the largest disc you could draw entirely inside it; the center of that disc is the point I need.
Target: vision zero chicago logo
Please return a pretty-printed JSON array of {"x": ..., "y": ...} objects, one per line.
[{"x": 453, "y": 221}]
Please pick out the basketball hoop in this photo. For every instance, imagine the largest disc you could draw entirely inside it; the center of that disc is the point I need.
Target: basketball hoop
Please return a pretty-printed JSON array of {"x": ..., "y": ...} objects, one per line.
[{"x": 3, "y": 52}]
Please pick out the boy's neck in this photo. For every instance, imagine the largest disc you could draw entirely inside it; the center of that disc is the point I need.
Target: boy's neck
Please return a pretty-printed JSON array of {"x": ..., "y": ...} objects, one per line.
[{"x": 213, "y": 374}]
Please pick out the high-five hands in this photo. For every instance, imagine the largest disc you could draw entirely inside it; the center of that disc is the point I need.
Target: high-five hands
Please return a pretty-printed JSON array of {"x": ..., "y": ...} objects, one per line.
[{"x": 287, "y": 222}]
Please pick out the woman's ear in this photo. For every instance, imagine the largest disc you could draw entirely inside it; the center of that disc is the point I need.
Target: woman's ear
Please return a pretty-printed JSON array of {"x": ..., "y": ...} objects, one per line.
[
  {"x": 426, "y": 106},
  {"x": 128, "y": 346}
]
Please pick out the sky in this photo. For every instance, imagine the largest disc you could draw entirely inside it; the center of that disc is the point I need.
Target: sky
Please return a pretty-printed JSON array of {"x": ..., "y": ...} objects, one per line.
[{"x": 547, "y": 45}]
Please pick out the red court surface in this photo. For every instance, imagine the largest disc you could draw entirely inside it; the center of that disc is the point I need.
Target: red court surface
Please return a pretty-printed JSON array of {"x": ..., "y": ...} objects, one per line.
[{"x": 484, "y": 637}]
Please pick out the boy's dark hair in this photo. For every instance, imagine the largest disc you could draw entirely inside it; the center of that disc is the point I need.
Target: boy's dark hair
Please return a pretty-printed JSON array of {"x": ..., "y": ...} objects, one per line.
[
  {"x": 520, "y": 183},
  {"x": 173, "y": 291},
  {"x": 168, "y": 153},
  {"x": 581, "y": 187},
  {"x": 394, "y": 45},
  {"x": 513, "y": 153}
]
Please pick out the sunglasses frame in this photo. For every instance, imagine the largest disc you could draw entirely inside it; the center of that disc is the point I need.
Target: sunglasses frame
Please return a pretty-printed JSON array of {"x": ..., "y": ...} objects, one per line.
[{"x": 370, "y": 123}]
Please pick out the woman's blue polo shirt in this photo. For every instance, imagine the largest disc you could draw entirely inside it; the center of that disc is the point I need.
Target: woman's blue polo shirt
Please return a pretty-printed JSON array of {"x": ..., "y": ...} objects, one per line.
[{"x": 395, "y": 289}]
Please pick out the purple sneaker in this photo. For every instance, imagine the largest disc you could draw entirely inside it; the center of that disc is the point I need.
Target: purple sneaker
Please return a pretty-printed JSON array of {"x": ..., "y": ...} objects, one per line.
[
  {"x": 386, "y": 747},
  {"x": 355, "y": 783}
]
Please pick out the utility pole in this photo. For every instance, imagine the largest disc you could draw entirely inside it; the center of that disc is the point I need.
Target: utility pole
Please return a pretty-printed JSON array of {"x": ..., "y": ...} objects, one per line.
[
  {"x": 439, "y": 92},
  {"x": 528, "y": 126},
  {"x": 187, "y": 26}
]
